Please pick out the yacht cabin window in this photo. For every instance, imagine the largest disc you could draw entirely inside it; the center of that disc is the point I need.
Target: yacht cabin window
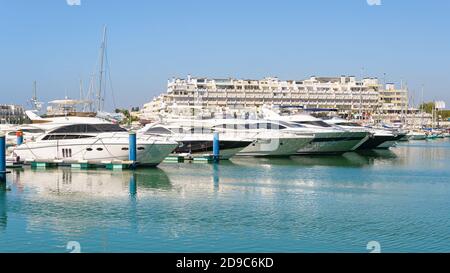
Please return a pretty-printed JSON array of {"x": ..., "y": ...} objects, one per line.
[
  {"x": 158, "y": 131},
  {"x": 318, "y": 123},
  {"x": 353, "y": 124},
  {"x": 89, "y": 128}
]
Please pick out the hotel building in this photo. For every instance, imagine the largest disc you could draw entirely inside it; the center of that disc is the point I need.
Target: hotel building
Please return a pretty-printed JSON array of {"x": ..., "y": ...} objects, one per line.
[{"x": 346, "y": 94}]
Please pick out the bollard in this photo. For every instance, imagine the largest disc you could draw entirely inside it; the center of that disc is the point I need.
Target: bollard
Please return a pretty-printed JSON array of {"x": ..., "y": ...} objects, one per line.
[
  {"x": 216, "y": 148},
  {"x": 132, "y": 147},
  {"x": 19, "y": 135},
  {"x": 2, "y": 153}
]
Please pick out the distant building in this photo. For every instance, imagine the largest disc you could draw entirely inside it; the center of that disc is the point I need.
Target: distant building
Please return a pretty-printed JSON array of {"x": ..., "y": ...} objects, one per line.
[
  {"x": 11, "y": 114},
  {"x": 345, "y": 94},
  {"x": 393, "y": 100}
]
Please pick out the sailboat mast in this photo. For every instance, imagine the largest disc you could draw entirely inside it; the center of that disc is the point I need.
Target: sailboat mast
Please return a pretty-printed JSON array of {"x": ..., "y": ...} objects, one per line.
[
  {"x": 421, "y": 109},
  {"x": 101, "y": 70},
  {"x": 34, "y": 91},
  {"x": 81, "y": 95},
  {"x": 81, "y": 89}
]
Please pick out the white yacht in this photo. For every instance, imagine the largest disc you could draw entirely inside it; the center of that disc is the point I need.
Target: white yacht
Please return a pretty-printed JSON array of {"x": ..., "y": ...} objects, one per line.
[
  {"x": 242, "y": 137},
  {"x": 417, "y": 135},
  {"x": 328, "y": 139},
  {"x": 195, "y": 139},
  {"x": 91, "y": 139},
  {"x": 271, "y": 138},
  {"x": 379, "y": 138}
]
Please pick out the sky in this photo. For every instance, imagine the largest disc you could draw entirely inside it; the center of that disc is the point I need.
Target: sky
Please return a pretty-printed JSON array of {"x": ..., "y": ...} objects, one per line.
[{"x": 56, "y": 43}]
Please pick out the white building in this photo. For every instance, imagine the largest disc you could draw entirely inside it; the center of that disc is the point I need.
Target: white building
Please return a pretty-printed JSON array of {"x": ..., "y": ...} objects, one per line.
[
  {"x": 366, "y": 97},
  {"x": 11, "y": 114},
  {"x": 345, "y": 93}
]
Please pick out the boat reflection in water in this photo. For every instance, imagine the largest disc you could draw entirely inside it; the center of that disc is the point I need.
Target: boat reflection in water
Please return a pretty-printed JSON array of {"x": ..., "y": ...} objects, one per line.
[
  {"x": 71, "y": 202},
  {"x": 100, "y": 183},
  {"x": 298, "y": 204},
  {"x": 3, "y": 207},
  {"x": 350, "y": 159}
]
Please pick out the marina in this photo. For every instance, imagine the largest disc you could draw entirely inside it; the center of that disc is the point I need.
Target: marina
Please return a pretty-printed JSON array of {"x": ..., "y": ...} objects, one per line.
[
  {"x": 224, "y": 136},
  {"x": 297, "y": 204}
]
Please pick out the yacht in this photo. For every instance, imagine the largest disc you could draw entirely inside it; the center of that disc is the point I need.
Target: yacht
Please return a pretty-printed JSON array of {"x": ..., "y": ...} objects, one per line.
[
  {"x": 417, "y": 135},
  {"x": 91, "y": 139},
  {"x": 328, "y": 139},
  {"x": 271, "y": 137},
  {"x": 378, "y": 138},
  {"x": 195, "y": 139},
  {"x": 241, "y": 137}
]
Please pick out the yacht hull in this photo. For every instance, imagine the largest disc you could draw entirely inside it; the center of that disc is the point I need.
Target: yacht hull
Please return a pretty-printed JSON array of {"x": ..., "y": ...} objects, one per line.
[
  {"x": 374, "y": 141},
  {"x": 418, "y": 137},
  {"x": 227, "y": 148},
  {"x": 391, "y": 143},
  {"x": 333, "y": 143},
  {"x": 276, "y": 148}
]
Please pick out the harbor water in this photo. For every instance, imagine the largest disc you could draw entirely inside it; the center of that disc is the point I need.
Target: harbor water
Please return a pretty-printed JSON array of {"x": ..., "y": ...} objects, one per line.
[{"x": 399, "y": 198}]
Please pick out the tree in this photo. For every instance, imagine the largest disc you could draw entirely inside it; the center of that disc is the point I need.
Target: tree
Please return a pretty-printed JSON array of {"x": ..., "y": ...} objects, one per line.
[{"x": 427, "y": 107}]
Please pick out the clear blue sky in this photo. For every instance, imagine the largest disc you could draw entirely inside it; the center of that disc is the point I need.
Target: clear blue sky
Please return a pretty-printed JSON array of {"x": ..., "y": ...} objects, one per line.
[{"x": 150, "y": 42}]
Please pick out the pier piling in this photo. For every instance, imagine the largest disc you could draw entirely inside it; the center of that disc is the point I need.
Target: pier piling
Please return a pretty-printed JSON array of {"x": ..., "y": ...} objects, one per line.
[
  {"x": 2, "y": 154},
  {"x": 216, "y": 147},
  {"x": 132, "y": 148}
]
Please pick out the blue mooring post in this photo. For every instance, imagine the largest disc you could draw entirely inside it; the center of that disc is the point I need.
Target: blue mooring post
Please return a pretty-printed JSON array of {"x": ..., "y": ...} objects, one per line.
[
  {"x": 216, "y": 147},
  {"x": 19, "y": 135},
  {"x": 132, "y": 148},
  {"x": 2, "y": 154}
]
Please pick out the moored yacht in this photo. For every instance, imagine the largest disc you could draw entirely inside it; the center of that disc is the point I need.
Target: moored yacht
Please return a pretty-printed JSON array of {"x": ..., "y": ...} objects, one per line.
[
  {"x": 93, "y": 140},
  {"x": 271, "y": 138},
  {"x": 417, "y": 135},
  {"x": 195, "y": 140},
  {"x": 328, "y": 139},
  {"x": 378, "y": 138},
  {"x": 241, "y": 137}
]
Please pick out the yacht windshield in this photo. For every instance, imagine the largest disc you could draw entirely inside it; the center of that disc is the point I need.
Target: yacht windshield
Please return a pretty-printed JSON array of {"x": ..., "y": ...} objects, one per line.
[{"x": 158, "y": 131}]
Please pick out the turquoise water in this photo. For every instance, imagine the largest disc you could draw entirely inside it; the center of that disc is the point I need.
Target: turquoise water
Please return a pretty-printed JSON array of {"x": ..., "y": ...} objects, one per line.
[{"x": 399, "y": 198}]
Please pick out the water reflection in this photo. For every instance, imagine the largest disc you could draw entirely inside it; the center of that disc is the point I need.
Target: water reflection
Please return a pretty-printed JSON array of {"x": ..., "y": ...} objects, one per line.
[
  {"x": 133, "y": 184},
  {"x": 345, "y": 160},
  {"x": 352, "y": 159},
  {"x": 71, "y": 202},
  {"x": 247, "y": 204},
  {"x": 216, "y": 175},
  {"x": 66, "y": 181},
  {"x": 3, "y": 204}
]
